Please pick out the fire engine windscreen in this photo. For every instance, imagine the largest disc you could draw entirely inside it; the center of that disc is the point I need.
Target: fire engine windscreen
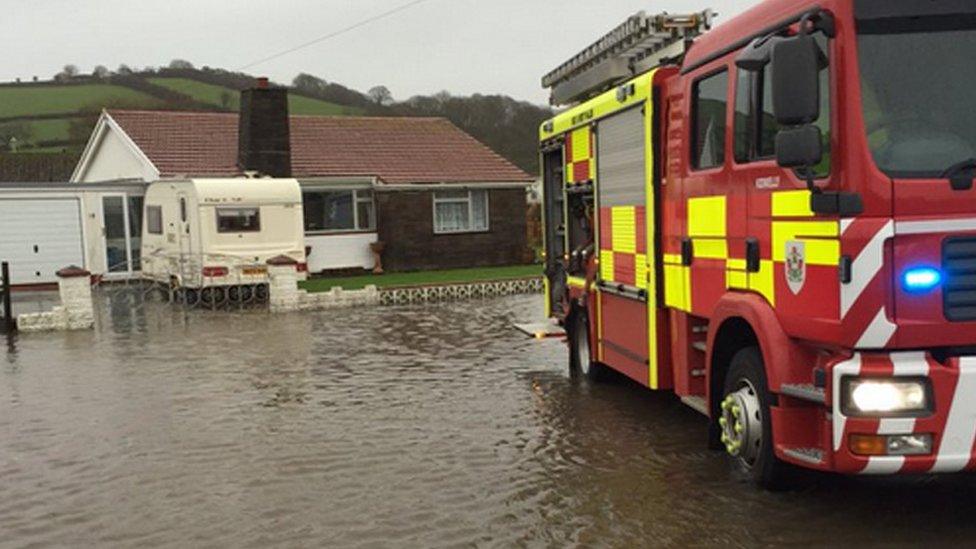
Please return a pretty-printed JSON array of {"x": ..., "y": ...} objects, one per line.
[{"x": 918, "y": 81}]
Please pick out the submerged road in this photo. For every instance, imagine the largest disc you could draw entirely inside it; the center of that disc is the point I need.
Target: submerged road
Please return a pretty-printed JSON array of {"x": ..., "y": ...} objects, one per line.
[{"x": 409, "y": 427}]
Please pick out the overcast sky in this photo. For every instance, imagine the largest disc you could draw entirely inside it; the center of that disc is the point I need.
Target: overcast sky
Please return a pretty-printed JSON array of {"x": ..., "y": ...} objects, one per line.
[{"x": 462, "y": 46}]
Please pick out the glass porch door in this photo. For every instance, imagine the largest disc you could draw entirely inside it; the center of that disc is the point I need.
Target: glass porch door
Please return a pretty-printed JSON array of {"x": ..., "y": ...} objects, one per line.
[{"x": 122, "y": 234}]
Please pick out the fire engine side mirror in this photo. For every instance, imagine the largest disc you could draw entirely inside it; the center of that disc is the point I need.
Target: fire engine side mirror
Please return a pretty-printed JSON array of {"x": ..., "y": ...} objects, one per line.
[
  {"x": 755, "y": 56},
  {"x": 796, "y": 63},
  {"x": 800, "y": 147}
]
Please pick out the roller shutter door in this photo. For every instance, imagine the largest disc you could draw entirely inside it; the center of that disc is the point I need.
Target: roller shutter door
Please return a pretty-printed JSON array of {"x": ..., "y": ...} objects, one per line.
[
  {"x": 621, "y": 168},
  {"x": 40, "y": 236}
]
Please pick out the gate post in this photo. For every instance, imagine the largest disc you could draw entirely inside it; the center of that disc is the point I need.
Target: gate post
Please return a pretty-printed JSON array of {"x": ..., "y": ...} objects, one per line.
[
  {"x": 283, "y": 288},
  {"x": 7, "y": 322},
  {"x": 74, "y": 286}
]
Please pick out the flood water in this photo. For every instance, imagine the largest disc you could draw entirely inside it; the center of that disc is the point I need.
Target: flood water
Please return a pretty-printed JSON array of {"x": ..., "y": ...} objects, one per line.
[{"x": 432, "y": 426}]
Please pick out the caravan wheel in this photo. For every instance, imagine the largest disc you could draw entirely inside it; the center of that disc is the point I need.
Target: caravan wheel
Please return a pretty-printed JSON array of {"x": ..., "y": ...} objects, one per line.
[
  {"x": 214, "y": 295},
  {"x": 247, "y": 293},
  {"x": 261, "y": 292},
  {"x": 190, "y": 296}
]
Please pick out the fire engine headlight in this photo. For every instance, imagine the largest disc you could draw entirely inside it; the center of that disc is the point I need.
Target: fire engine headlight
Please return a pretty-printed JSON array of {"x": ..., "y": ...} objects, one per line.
[{"x": 884, "y": 397}]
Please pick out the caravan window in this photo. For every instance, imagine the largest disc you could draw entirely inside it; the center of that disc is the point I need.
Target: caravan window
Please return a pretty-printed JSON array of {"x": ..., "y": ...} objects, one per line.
[
  {"x": 154, "y": 219},
  {"x": 238, "y": 220}
]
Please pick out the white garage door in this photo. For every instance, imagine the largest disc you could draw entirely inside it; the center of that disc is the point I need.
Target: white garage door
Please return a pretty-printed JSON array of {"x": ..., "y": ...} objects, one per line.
[{"x": 40, "y": 236}]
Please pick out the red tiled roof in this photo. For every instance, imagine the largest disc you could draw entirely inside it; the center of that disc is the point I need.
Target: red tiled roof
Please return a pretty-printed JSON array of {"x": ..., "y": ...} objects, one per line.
[{"x": 397, "y": 150}]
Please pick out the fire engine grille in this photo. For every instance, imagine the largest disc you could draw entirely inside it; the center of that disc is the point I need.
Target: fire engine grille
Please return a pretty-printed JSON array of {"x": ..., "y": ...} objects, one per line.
[{"x": 959, "y": 270}]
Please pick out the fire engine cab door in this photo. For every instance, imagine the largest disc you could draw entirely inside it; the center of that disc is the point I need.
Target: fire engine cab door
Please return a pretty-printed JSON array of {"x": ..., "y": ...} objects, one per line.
[{"x": 623, "y": 250}]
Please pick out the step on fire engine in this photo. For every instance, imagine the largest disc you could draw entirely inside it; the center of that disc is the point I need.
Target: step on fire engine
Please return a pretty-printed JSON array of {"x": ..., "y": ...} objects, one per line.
[{"x": 776, "y": 220}]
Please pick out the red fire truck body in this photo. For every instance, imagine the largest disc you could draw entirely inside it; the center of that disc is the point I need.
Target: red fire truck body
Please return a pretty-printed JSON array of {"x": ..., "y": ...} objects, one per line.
[{"x": 685, "y": 246}]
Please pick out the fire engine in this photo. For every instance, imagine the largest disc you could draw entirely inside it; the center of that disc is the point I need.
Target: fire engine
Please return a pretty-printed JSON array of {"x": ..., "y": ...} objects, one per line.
[{"x": 775, "y": 219}]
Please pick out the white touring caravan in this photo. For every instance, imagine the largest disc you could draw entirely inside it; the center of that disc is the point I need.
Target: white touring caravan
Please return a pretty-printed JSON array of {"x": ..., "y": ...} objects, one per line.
[{"x": 210, "y": 239}]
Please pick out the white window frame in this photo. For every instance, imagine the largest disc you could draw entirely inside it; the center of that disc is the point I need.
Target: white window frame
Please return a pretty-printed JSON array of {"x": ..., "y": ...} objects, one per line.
[
  {"x": 357, "y": 199},
  {"x": 470, "y": 202}
]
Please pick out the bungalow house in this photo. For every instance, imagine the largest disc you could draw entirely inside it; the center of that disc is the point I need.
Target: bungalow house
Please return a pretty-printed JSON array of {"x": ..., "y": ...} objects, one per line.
[{"x": 433, "y": 195}]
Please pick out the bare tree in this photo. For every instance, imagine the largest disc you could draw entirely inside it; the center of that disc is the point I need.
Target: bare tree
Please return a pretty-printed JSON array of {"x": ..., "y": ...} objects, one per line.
[
  {"x": 101, "y": 72},
  {"x": 124, "y": 70},
  {"x": 182, "y": 64},
  {"x": 67, "y": 73},
  {"x": 309, "y": 83},
  {"x": 381, "y": 95},
  {"x": 443, "y": 97}
]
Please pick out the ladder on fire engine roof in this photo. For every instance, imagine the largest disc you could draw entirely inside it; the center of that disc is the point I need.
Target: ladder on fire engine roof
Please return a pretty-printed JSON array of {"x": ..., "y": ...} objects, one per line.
[{"x": 637, "y": 46}]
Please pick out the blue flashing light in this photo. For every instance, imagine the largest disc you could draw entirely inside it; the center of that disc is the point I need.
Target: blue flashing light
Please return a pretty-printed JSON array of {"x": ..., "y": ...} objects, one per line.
[{"x": 921, "y": 279}]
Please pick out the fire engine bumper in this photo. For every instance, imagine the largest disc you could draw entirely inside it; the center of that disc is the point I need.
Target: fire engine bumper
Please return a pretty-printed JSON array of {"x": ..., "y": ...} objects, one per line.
[{"x": 936, "y": 436}]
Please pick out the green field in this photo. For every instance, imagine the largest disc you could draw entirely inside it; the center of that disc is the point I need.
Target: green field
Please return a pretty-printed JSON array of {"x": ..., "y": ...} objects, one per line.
[
  {"x": 50, "y": 130},
  {"x": 421, "y": 278},
  {"x": 298, "y": 104},
  {"x": 215, "y": 95},
  {"x": 34, "y": 100},
  {"x": 200, "y": 91},
  {"x": 42, "y": 131}
]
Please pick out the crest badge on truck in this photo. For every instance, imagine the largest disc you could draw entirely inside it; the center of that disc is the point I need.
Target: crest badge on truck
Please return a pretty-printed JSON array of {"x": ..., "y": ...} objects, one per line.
[{"x": 796, "y": 265}]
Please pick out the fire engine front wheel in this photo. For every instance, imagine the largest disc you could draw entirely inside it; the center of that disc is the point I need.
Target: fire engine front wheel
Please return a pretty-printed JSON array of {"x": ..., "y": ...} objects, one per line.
[
  {"x": 581, "y": 361},
  {"x": 744, "y": 420}
]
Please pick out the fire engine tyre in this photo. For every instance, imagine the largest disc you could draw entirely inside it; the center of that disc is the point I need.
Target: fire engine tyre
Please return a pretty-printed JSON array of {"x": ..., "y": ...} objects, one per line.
[
  {"x": 744, "y": 421},
  {"x": 581, "y": 361}
]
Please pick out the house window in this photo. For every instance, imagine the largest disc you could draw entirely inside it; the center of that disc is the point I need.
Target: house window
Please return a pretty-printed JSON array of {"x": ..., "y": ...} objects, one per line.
[
  {"x": 238, "y": 220},
  {"x": 708, "y": 121},
  {"x": 339, "y": 211},
  {"x": 154, "y": 219},
  {"x": 460, "y": 211}
]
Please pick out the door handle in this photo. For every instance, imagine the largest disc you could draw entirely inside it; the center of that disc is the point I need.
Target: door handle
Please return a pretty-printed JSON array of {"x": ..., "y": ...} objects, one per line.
[
  {"x": 753, "y": 262},
  {"x": 687, "y": 252}
]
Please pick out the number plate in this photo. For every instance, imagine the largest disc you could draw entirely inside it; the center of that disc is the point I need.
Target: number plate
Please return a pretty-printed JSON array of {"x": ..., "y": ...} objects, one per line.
[{"x": 255, "y": 271}]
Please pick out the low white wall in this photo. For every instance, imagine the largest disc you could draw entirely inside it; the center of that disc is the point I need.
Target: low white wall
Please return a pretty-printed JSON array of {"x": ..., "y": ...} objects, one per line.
[{"x": 340, "y": 251}]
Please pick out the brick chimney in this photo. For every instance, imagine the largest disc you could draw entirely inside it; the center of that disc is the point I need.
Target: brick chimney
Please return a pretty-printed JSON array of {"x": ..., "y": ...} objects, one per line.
[{"x": 264, "y": 144}]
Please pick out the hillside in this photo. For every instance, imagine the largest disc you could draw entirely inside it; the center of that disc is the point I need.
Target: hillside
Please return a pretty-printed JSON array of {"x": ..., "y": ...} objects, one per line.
[
  {"x": 59, "y": 115},
  {"x": 56, "y": 117},
  {"x": 227, "y": 98}
]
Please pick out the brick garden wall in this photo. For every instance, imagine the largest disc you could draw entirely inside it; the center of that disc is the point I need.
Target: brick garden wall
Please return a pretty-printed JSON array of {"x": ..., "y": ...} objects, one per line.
[{"x": 406, "y": 224}]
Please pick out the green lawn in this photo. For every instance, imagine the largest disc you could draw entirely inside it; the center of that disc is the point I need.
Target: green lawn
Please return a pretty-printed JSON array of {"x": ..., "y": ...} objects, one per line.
[
  {"x": 33, "y": 100},
  {"x": 423, "y": 278},
  {"x": 214, "y": 95}
]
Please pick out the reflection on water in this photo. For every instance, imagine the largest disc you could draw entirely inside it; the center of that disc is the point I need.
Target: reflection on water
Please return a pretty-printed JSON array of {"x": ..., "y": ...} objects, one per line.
[{"x": 420, "y": 426}]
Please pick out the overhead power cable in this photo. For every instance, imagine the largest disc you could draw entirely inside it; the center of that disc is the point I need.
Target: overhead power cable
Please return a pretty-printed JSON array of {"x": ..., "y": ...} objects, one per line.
[{"x": 334, "y": 34}]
